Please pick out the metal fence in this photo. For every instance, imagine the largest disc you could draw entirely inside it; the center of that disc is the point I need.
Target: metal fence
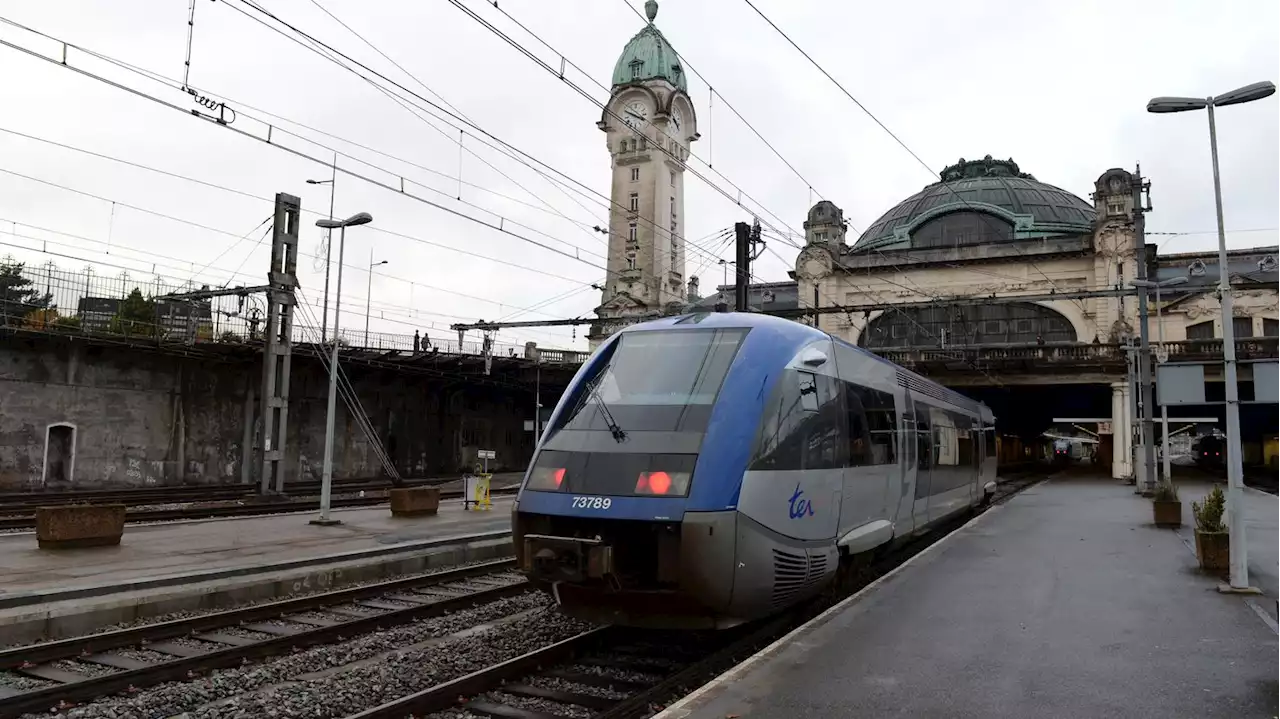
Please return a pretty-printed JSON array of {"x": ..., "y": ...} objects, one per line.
[{"x": 45, "y": 298}]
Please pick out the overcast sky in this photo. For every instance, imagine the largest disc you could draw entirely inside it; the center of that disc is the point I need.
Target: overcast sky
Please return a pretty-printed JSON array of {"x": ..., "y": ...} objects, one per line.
[{"x": 1059, "y": 87}]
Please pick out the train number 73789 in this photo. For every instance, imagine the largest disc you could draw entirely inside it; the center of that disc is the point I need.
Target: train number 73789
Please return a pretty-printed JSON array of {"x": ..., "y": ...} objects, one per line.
[{"x": 592, "y": 502}]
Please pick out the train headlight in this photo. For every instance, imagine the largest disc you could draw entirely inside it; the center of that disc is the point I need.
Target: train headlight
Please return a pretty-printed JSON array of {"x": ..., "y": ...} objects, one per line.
[{"x": 663, "y": 483}]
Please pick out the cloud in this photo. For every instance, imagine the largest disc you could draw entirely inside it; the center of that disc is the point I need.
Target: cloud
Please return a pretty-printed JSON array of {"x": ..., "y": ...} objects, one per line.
[{"x": 1060, "y": 88}]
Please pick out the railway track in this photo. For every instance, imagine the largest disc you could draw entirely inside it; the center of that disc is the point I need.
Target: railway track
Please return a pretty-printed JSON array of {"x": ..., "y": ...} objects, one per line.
[
  {"x": 20, "y": 522},
  {"x": 615, "y": 673},
  {"x": 16, "y": 502},
  {"x": 81, "y": 669}
]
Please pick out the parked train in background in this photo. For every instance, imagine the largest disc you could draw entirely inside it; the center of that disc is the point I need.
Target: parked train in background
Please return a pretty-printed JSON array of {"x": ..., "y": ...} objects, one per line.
[
  {"x": 1210, "y": 452},
  {"x": 705, "y": 470}
]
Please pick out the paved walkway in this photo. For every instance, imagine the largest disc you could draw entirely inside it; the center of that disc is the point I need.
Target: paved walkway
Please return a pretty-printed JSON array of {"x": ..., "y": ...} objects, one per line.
[
  {"x": 1261, "y": 517},
  {"x": 159, "y": 550},
  {"x": 1065, "y": 602}
]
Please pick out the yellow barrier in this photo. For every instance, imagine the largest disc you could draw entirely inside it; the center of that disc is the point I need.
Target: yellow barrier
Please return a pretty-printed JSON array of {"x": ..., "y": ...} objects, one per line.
[{"x": 477, "y": 492}]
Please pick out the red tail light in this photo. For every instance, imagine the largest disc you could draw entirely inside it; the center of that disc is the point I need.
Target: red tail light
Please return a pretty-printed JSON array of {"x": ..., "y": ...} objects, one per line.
[
  {"x": 662, "y": 483},
  {"x": 547, "y": 479}
]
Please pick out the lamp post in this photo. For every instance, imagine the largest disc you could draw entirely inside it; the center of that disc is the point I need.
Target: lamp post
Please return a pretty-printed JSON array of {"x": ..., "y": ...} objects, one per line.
[
  {"x": 1235, "y": 470},
  {"x": 1161, "y": 357},
  {"x": 328, "y": 250},
  {"x": 326, "y": 478},
  {"x": 368, "y": 295}
]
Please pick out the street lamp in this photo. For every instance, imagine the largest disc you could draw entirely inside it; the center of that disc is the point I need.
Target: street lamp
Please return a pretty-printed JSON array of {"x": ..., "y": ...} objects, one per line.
[
  {"x": 1235, "y": 470},
  {"x": 326, "y": 480},
  {"x": 328, "y": 249},
  {"x": 1161, "y": 357},
  {"x": 368, "y": 301}
]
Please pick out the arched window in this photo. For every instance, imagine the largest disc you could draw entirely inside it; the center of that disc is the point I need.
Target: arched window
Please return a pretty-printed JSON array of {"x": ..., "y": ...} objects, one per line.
[
  {"x": 995, "y": 324},
  {"x": 962, "y": 228}
]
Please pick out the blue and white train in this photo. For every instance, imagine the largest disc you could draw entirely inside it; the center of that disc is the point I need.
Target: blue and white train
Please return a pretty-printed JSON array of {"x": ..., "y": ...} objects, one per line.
[{"x": 709, "y": 469}]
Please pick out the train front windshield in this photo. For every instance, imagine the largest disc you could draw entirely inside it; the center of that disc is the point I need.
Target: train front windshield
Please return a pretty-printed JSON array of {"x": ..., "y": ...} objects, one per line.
[{"x": 660, "y": 381}]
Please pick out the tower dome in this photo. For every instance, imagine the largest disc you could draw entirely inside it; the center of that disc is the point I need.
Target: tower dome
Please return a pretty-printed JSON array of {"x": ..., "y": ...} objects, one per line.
[{"x": 648, "y": 56}]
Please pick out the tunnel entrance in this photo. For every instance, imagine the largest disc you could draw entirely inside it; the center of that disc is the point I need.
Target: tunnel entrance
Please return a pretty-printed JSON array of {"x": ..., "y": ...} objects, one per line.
[{"x": 59, "y": 455}]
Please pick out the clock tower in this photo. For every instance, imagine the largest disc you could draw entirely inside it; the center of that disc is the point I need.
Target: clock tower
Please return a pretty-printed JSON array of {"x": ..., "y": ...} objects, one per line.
[{"x": 649, "y": 124}]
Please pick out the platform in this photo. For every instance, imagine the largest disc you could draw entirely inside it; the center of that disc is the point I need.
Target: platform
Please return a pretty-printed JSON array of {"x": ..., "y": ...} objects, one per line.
[
  {"x": 202, "y": 563},
  {"x": 1065, "y": 602}
]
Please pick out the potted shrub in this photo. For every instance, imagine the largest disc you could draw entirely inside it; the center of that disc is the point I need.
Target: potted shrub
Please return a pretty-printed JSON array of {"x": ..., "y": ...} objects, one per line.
[
  {"x": 1166, "y": 507},
  {"x": 1213, "y": 546}
]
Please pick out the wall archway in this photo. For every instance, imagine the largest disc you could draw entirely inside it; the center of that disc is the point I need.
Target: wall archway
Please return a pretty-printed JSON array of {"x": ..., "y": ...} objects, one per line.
[{"x": 1012, "y": 323}]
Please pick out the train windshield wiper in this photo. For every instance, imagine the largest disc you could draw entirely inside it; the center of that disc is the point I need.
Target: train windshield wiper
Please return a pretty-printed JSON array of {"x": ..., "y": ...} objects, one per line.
[{"x": 594, "y": 388}]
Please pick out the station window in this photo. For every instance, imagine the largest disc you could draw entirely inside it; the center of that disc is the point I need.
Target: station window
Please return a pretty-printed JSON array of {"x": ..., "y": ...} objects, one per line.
[
  {"x": 635, "y": 202},
  {"x": 1270, "y": 327},
  {"x": 635, "y": 174},
  {"x": 631, "y": 233}
]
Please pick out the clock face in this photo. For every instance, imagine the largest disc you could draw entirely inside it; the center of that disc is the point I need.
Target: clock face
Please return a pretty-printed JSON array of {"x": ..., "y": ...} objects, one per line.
[
  {"x": 635, "y": 114},
  {"x": 677, "y": 123}
]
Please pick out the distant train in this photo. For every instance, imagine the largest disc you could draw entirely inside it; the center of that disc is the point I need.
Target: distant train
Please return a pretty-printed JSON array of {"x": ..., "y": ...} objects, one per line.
[
  {"x": 705, "y": 470},
  {"x": 1210, "y": 452}
]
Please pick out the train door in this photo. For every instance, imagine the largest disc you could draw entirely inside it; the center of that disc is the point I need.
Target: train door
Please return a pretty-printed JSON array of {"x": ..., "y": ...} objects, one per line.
[
  {"x": 979, "y": 458},
  {"x": 904, "y": 509},
  {"x": 924, "y": 452},
  {"x": 953, "y": 456}
]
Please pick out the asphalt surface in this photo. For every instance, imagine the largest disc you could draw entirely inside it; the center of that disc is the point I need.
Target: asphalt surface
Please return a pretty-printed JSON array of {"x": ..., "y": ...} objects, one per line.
[{"x": 1065, "y": 602}]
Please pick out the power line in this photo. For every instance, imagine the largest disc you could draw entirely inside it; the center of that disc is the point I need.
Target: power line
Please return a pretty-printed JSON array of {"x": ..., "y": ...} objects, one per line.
[
  {"x": 952, "y": 190},
  {"x": 333, "y": 51},
  {"x": 150, "y": 254},
  {"x": 500, "y": 227},
  {"x": 604, "y": 106},
  {"x": 438, "y": 96},
  {"x": 684, "y": 62}
]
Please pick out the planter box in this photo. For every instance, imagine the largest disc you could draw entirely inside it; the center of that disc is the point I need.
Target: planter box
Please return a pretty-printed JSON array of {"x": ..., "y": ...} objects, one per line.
[
  {"x": 1214, "y": 551},
  {"x": 1167, "y": 513},
  {"x": 79, "y": 525},
  {"x": 415, "y": 501}
]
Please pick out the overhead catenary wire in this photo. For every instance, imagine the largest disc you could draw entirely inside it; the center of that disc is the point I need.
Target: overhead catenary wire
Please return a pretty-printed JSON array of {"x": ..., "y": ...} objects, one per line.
[
  {"x": 328, "y": 52},
  {"x": 891, "y": 134},
  {"x": 661, "y": 146},
  {"x": 213, "y": 120},
  {"x": 684, "y": 62}
]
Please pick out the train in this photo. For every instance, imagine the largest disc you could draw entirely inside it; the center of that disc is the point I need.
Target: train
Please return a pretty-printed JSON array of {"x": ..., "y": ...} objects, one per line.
[
  {"x": 1210, "y": 452},
  {"x": 707, "y": 470}
]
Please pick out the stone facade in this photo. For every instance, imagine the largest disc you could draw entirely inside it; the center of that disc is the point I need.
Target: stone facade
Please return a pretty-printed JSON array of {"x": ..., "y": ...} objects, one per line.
[
  {"x": 649, "y": 124},
  {"x": 138, "y": 417},
  {"x": 988, "y": 229}
]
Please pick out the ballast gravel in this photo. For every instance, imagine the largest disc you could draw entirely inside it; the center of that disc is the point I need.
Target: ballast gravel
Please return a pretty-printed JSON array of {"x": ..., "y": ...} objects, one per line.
[{"x": 265, "y": 690}]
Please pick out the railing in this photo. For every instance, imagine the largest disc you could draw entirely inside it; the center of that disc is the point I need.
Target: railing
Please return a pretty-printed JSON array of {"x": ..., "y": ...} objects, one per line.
[
  {"x": 47, "y": 300},
  {"x": 1049, "y": 354}
]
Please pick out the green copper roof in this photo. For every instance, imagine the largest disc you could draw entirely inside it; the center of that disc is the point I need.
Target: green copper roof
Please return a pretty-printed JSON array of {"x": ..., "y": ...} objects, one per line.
[
  {"x": 648, "y": 56},
  {"x": 993, "y": 187}
]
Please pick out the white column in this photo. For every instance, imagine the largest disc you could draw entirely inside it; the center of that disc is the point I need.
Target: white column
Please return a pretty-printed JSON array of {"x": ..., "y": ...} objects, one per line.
[{"x": 1121, "y": 427}]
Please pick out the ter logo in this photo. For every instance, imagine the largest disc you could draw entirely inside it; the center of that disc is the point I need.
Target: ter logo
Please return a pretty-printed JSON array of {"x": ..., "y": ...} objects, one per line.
[{"x": 800, "y": 507}]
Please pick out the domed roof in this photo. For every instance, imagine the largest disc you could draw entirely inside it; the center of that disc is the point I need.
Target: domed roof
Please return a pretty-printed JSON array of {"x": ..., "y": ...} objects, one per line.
[
  {"x": 991, "y": 187},
  {"x": 648, "y": 56}
]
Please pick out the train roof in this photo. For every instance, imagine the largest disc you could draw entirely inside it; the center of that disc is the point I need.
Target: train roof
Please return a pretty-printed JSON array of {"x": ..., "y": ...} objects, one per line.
[{"x": 798, "y": 332}]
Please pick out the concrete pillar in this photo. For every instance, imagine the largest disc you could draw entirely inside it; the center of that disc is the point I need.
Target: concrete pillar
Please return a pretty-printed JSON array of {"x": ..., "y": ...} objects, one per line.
[{"x": 1121, "y": 434}]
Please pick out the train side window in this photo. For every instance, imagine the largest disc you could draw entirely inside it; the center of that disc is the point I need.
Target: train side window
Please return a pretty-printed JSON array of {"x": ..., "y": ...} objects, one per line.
[
  {"x": 859, "y": 444},
  {"x": 964, "y": 440},
  {"x": 989, "y": 434},
  {"x": 924, "y": 438},
  {"x": 802, "y": 427},
  {"x": 882, "y": 422}
]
